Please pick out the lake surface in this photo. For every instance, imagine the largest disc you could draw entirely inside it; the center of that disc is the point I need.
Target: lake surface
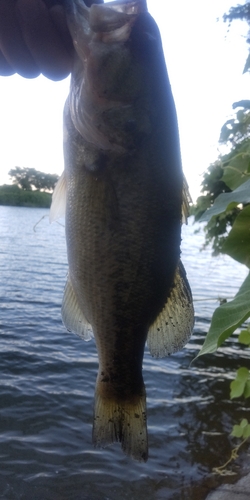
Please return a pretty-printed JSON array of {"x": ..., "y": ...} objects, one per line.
[{"x": 47, "y": 380}]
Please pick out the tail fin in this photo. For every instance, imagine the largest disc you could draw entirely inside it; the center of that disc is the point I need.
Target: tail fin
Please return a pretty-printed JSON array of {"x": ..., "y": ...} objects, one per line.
[{"x": 123, "y": 421}]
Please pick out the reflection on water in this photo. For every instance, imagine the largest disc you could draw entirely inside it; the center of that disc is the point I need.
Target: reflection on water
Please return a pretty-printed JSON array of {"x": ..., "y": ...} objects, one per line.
[{"x": 47, "y": 379}]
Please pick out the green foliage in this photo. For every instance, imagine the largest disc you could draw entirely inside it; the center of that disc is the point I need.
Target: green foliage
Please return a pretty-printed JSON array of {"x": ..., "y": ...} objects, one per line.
[
  {"x": 227, "y": 218},
  {"x": 227, "y": 206},
  {"x": 218, "y": 206},
  {"x": 242, "y": 430},
  {"x": 244, "y": 337},
  {"x": 237, "y": 129},
  {"x": 227, "y": 318},
  {"x": 228, "y": 223},
  {"x": 30, "y": 178},
  {"x": 228, "y": 229},
  {"x": 241, "y": 12},
  {"x": 236, "y": 168},
  {"x": 241, "y": 385},
  {"x": 227, "y": 201},
  {"x": 14, "y": 196},
  {"x": 218, "y": 227},
  {"x": 212, "y": 185},
  {"x": 237, "y": 244}
]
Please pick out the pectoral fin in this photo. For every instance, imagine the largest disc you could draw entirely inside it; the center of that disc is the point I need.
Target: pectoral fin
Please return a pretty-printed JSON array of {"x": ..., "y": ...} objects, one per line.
[
  {"x": 173, "y": 327},
  {"x": 58, "y": 204},
  {"x": 72, "y": 315}
]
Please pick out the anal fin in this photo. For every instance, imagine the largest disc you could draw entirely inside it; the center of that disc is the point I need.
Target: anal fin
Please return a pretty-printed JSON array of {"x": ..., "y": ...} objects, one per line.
[
  {"x": 72, "y": 315},
  {"x": 174, "y": 325}
]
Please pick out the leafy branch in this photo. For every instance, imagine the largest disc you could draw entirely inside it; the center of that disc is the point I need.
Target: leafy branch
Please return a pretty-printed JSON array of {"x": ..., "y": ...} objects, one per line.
[{"x": 227, "y": 219}]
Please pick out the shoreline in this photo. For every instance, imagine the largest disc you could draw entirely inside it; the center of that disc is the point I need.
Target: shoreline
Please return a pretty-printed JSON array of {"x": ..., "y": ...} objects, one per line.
[
  {"x": 227, "y": 491},
  {"x": 12, "y": 195}
]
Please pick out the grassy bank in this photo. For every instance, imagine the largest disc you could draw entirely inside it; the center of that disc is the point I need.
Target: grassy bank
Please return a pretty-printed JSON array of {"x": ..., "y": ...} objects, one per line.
[{"x": 16, "y": 197}]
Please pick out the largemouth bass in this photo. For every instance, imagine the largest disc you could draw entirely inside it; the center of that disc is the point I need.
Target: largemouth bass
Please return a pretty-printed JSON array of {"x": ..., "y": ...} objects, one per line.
[{"x": 123, "y": 186}]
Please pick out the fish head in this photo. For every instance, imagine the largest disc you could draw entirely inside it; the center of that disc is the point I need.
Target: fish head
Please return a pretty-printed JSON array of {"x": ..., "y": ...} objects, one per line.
[
  {"x": 111, "y": 41},
  {"x": 107, "y": 23}
]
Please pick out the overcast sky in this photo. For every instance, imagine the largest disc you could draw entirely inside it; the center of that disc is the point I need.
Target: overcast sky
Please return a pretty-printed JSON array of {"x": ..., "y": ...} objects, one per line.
[{"x": 205, "y": 63}]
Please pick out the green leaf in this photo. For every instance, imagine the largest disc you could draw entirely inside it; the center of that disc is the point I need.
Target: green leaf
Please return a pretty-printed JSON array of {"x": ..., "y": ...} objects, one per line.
[
  {"x": 233, "y": 178},
  {"x": 238, "y": 386},
  {"x": 237, "y": 389},
  {"x": 244, "y": 423},
  {"x": 226, "y": 130},
  {"x": 245, "y": 427},
  {"x": 239, "y": 195},
  {"x": 246, "y": 432},
  {"x": 240, "y": 115},
  {"x": 237, "y": 171},
  {"x": 237, "y": 431},
  {"x": 237, "y": 244},
  {"x": 227, "y": 318},
  {"x": 242, "y": 374},
  {"x": 244, "y": 337},
  {"x": 242, "y": 430},
  {"x": 246, "y": 392}
]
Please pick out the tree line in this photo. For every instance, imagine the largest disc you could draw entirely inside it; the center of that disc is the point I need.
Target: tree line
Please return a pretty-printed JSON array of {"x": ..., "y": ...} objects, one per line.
[{"x": 30, "y": 179}]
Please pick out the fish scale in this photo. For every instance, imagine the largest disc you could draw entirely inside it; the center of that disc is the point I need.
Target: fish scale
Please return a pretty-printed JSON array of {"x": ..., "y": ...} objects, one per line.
[{"x": 123, "y": 185}]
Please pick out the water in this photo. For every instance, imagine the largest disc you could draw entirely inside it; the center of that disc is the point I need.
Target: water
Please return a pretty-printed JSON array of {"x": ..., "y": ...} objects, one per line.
[{"x": 47, "y": 379}]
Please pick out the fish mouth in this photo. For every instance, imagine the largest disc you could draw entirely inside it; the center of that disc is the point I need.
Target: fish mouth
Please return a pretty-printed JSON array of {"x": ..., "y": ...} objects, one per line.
[
  {"x": 107, "y": 22},
  {"x": 114, "y": 16}
]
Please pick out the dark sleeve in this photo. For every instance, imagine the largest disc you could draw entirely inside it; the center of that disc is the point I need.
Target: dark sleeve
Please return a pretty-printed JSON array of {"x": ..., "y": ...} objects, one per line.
[{"x": 34, "y": 39}]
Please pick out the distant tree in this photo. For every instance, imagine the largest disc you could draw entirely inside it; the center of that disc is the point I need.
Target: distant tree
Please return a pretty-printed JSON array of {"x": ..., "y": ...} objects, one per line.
[
  {"x": 30, "y": 178},
  {"x": 241, "y": 12}
]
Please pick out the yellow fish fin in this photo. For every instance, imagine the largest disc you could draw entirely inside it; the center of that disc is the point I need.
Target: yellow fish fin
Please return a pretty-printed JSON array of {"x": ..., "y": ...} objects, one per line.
[
  {"x": 58, "y": 204},
  {"x": 186, "y": 200},
  {"x": 72, "y": 315},
  {"x": 123, "y": 421},
  {"x": 174, "y": 325}
]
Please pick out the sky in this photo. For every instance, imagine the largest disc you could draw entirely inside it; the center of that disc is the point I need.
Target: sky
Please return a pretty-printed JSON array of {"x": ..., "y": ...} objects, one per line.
[{"x": 205, "y": 62}]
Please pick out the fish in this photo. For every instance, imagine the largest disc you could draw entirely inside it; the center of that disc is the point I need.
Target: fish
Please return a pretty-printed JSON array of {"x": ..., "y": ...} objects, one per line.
[{"x": 122, "y": 193}]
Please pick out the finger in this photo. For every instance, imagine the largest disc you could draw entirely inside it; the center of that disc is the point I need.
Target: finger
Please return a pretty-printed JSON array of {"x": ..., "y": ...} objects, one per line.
[
  {"x": 12, "y": 44},
  {"x": 90, "y": 2},
  {"x": 42, "y": 39},
  {"x": 57, "y": 14},
  {"x": 5, "y": 68}
]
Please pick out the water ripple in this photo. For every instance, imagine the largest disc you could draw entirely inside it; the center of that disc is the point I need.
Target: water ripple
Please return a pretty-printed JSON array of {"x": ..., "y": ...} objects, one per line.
[{"x": 47, "y": 379}]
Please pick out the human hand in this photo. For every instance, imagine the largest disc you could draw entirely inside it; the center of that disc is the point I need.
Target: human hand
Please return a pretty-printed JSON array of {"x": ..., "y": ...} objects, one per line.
[{"x": 34, "y": 38}]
